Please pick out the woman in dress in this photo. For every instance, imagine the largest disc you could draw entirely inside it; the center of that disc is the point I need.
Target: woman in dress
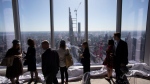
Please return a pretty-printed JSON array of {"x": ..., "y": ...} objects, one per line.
[
  {"x": 85, "y": 57},
  {"x": 108, "y": 62},
  {"x": 16, "y": 69},
  {"x": 31, "y": 59},
  {"x": 62, "y": 52}
]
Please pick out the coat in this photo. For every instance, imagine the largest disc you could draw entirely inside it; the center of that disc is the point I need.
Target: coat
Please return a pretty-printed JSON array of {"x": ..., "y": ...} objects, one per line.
[
  {"x": 86, "y": 57},
  {"x": 31, "y": 59},
  {"x": 17, "y": 68},
  {"x": 121, "y": 53},
  {"x": 109, "y": 57},
  {"x": 50, "y": 62}
]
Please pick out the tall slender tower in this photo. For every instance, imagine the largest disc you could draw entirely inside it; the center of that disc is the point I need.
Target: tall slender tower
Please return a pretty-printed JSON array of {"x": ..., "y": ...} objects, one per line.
[
  {"x": 79, "y": 30},
  {"x": 71, "y": 35},
  {"x": 129, "y": 42}
]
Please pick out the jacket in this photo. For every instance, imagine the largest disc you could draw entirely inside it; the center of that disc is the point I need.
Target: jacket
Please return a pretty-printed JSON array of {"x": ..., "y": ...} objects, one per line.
[
  {"x": 121, "y": 53},
  {"x": 50, "y": 62}
]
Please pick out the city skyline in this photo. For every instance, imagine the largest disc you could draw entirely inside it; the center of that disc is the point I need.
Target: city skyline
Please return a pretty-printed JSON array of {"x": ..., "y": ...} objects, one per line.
[{"x": 81, "y": 31}]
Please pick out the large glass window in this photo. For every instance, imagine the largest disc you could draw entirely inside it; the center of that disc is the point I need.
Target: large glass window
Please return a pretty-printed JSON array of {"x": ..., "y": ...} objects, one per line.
[
  {"x": 6, "y": 26},
  {"x": 134, "y": 16},
  {"x": 69, "y": 24},
  {"x": 102, "y": 25},
  {"x": 35, "y": 23}
]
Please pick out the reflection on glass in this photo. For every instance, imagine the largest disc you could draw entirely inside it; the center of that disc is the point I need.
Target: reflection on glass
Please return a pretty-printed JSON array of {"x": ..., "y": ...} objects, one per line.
[
  {"x": 134, "y": 14},
  {"x": 35, "y": 23},
  {"x": 6, "y": 26},
  {"x": 102, "y": 25}
]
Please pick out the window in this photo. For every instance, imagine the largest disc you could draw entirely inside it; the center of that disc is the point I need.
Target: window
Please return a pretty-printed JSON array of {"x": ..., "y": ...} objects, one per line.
[
  {"x": 102, "y": 25},
  {"x": 35, "y": 23},
  {"x": 6, "y": 26},
  {"x": 134, "y": 16},
  {"x": 68, "y": 26}
]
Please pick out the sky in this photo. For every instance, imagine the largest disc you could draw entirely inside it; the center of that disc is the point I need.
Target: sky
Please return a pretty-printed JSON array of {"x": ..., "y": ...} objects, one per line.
[{"x": 35, "y": 15}]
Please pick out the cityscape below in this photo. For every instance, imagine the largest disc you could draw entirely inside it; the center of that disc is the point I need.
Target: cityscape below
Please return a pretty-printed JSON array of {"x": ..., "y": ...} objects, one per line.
[{"x": 97, "y": 42}]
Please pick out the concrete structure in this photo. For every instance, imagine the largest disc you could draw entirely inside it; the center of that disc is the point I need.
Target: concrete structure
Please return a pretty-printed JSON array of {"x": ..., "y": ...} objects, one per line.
[
  {"x": 129, "y": 42},
  {"x": 79, "y": 31},
  {"x": 71, "y": 34}
]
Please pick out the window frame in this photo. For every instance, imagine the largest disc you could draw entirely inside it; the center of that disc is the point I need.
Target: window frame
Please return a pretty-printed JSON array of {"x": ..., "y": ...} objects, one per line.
[{"x": 118, "y": 24}]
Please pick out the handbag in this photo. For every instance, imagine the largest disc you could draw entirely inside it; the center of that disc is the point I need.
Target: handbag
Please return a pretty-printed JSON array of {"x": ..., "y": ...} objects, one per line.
[
  {"x": 86, "y": 78},
  {"x": 68, "y": 59},
  {"x": 25, "y": 62},
  {"x": 7, "y": 61},
  {"x": 124, "y": 69}
]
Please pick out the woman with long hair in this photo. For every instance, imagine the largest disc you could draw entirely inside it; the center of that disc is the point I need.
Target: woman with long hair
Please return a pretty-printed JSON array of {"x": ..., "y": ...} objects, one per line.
[
  {"x": 30, "y": 58},
  {"x": 108, "y": 62},
  {"x": 16, "y": 69},
  {"x": 85, "y": 57},
  {"x": 62, "y": 52}
]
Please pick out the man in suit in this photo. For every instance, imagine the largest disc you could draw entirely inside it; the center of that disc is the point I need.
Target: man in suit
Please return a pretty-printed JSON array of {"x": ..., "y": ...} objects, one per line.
[
  {"x": 50, "y": 64},
  {"x": 121, "y": 55}
]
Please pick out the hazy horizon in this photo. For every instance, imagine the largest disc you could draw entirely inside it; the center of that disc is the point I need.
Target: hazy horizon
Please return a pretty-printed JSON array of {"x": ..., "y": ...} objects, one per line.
[{"x": 81, "y": 31}]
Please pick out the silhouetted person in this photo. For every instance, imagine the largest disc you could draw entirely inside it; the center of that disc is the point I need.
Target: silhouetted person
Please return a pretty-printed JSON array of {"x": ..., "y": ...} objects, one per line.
[
  {"x": 31, "y": 59},
  {"x": 50, "y": 64},
  {"x": 62, "y": 51},
  {"x": 121, "y": 55},
  {"x": 85, "y": 57},
  {"x": 16, "y": 69},
  {"x": 109, "y": 62}
]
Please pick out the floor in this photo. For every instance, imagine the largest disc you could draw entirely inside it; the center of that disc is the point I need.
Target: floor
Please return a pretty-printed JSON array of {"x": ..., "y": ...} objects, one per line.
[{"x": 132, "y": 80}]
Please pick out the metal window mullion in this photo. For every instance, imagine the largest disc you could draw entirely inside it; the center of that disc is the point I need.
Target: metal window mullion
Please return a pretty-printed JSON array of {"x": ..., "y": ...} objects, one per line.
[
  {"x": 119, "y": 16},
  {"x": 15, "y": 8},
  {"x": 52, "y": 23},
  {"x": 86, "y": 20},
  {"x": 147, "y": 38}
]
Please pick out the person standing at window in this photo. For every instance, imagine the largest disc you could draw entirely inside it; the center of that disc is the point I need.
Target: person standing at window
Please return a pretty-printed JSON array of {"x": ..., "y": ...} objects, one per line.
[
  {"x": 121, "y": 55},
  {"x": 62, "y": 51},
  {"x": 31, "y": 59},
  {"x": 16, "y": 69},
  {"x": 85, "y": 57},
  {"x": 108, "y": 62},
  {"x": 50, "y": 64}
]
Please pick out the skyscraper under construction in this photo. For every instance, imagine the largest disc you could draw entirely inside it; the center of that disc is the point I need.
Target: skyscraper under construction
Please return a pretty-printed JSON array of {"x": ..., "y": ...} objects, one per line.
[{"x": 71, "y": 34}]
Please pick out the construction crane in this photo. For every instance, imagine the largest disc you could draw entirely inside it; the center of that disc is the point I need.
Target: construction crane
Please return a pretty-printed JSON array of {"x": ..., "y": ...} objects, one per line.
[{"x": 76, "y": 10}]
